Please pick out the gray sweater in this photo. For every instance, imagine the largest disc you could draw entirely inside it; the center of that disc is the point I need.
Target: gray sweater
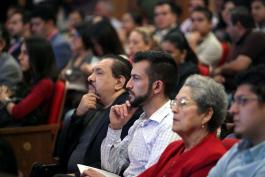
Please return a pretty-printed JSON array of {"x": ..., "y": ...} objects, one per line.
[{"x": 10, "y": 71}]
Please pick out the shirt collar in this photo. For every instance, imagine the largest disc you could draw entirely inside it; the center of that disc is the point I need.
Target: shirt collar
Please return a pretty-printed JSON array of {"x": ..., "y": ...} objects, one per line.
[
  {"x": 159, "y": 114},
  {"x": 256, "y": 152}
]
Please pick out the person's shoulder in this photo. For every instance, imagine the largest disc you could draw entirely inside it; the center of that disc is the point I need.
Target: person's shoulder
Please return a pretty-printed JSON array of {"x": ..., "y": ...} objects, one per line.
[
  {"x": 45, "y": 83},
  {"x": 255, "y": 36}
]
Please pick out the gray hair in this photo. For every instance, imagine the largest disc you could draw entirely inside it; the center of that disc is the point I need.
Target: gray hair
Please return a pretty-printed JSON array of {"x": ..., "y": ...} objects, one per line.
[{"x": 208, "y": 94}]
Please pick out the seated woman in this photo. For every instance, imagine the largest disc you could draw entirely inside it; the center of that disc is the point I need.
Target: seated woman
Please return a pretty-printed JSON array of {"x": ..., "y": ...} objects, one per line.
[
  {"x": 37, "y": 62},
  {"x": 140, "y": 39},
  {"x": 176, "y": 44},
  {"x": 80, "y": 66},
  {"x": 199, "y": 109}
]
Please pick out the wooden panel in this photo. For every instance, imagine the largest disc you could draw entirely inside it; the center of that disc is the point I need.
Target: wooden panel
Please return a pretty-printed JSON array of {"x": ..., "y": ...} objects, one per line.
[{"x": 31, "y": 144}]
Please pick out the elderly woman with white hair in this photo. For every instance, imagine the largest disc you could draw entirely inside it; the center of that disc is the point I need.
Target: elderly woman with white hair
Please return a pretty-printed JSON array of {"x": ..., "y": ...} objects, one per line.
[{"x": 199, "y": 109}]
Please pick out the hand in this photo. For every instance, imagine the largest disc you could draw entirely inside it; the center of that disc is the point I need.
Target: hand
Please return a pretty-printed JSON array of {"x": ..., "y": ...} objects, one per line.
[
  {"x": 5, "y": 92},
  {"x": 219, "y": 78},
  {"x": 120, "y": 115},
  {"x": 216, "y": 71},
  {"x": 91, "y": 173},
  {"x": 88, "y": 102},
  {"x": 194, "y": 38}
]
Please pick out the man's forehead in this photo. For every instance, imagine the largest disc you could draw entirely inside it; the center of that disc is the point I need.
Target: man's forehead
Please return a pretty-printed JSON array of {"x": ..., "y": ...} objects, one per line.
[
  {"x": 140, "y": 67},
  {"x": 103, "y": 64}
]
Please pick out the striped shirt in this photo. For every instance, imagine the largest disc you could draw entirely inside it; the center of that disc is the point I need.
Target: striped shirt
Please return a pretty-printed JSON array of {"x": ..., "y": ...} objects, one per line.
[{"x": 143, "y": 145}]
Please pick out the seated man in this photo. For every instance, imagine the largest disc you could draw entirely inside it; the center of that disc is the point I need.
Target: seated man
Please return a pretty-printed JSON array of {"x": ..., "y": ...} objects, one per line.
[
  {"x": 202, "y": 40},
  {"x": 247, "y": 49},
  {"x": 89, "y": 124},
  {"x": 152, "y": 82},
  {"x": 247, "y": 158}
]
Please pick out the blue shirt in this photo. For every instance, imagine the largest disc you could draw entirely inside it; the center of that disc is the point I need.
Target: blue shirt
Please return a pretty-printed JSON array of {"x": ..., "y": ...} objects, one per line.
[
  {"x": 243, "y": 160},
  {"x": 143, "y": 145}
]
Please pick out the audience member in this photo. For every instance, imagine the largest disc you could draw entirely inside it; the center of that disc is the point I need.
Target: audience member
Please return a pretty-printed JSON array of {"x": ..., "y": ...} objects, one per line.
[
  {"x": 90, "y": 122},
  {"x": 166, "y": 18},
  {"x": 105, "y": 8},
  {"x": 176, "y": 44},
  {"x": 74, "y": 18},
  {"x": 140, "y": 39},
  {"x": 11, "y": 73},
  {"x": 153, "y": 78},
  {"x": 32, "y": 100},
  {"x": 80, "y": 66},
  {"x": 225, "y": 24},
  {"x": 258, "y": 13},
  {"x": 43, "y": 23},
  {"x": 105, "y": 38},
  {"x": 247, "y": 50},
  {"x": 246, "y": 158},
  {"x": 18, "y": 28},
  {"x": 199, "y": 109},
  {"x": 186, "y": 25},
  {"x": 130, "y": 20},
  {"x": 202, "y": 40}
]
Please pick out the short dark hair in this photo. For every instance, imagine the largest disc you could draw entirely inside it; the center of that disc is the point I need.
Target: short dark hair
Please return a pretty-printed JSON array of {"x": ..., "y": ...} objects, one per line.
[
  {"x": 162, "y": 67},
  {"x": 242, "y": 15},
  {"x": 25, "y": 15},
  {"x": 137, "y": 17},
  {"x": 45, "y": 12},
  {"x": 255, "y": 77},
  {"x": 175, "y": 8},
  {"x": 120, "y": 66},
  {"x": 205, "y": 11}
]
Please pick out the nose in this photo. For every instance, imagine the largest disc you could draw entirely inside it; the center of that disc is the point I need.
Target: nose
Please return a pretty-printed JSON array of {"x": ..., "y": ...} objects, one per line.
[
  {"x": 233, "y": 109},
  {"x": 129, "y": 84},
  {"x": 174, "y": 109},
  {"x": 91, "y": 78},
  {"x": 20, "y": 56}
]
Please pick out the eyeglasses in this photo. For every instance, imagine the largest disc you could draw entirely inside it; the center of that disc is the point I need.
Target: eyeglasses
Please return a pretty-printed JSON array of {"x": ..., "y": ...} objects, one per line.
[
  {"x": 242, "y": 100},
  {"x": 180, "y": 103}
]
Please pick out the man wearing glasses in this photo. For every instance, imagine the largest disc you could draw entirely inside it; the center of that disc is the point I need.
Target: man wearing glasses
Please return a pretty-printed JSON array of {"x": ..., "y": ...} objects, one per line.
[{"x": 247, "y": 158}]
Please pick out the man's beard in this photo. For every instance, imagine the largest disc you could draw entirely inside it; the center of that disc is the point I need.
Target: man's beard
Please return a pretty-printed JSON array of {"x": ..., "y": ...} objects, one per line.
[{"x": 140, "y": 99}]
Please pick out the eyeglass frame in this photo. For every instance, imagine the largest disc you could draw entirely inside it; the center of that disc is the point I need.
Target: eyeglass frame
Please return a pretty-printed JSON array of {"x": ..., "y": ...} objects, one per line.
[
  {"x": 243, "y": 100},
  {"x": 180, "y": 103}
]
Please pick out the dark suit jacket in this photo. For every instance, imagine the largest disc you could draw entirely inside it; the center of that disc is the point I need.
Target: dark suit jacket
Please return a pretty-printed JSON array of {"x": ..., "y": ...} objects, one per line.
[{"x": 95, "y": 126}]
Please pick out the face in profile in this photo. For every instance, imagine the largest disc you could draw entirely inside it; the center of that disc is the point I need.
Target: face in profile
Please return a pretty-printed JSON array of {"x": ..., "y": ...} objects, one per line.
[
  {"x": 186, "y": 117},
  {"x": 137, "y": 43},
  {"x": 138, "y": 85},
  {"x": 24, "y": 58},
  {"x": 247, "y": 112},
  {"x": 176, "y": 53},
  {"x": 101, "y": 81}
]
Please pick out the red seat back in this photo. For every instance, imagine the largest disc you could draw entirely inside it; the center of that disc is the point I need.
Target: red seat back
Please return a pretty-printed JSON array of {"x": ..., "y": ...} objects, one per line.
[
  {"x": 203, "y": 69},
  {"x": 226, "y": 50},
  {"x": 57, "y": 102}
]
